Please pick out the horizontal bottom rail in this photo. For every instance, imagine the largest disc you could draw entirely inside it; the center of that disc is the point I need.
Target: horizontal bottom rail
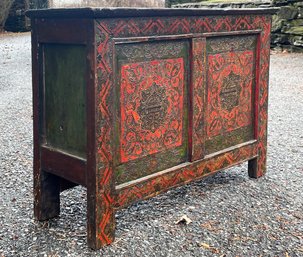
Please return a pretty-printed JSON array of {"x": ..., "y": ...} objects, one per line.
[
  {"x": 69, "y": 167},
  {"x": 154, "y": 184}
]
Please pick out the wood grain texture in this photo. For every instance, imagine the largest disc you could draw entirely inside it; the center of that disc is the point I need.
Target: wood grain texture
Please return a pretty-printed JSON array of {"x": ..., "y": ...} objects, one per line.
[
  {"x": 65, "y": 97},
  {"x": 66, "y": 166},
  {"x": 143, "y": 12}
]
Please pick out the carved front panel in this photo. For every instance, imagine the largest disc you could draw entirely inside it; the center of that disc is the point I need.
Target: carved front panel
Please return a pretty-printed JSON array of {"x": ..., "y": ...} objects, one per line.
[
  {"x": 152, "y": 111},
  {"x": 230, "y": 84},
  {"x": 106, "y": 75},
  {"x": 151, "y": 107}
]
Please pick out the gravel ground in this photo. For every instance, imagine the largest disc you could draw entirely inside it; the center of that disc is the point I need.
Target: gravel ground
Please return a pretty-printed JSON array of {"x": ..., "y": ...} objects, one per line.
[{"x": 231, "y": 214}]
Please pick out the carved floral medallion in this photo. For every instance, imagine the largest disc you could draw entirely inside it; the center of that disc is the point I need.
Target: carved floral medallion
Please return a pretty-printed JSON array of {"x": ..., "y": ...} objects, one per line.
[{"x": 152, "y": 98}]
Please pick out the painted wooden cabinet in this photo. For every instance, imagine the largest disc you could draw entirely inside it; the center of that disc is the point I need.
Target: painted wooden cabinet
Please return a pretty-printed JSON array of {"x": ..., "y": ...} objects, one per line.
[{"x": 132, "y": 102}]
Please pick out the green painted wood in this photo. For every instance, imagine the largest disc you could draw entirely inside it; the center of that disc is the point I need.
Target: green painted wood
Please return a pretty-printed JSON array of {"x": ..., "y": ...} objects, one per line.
[
  {"x": 64, "y": 107},
  {"x": 229, "y": 139}
]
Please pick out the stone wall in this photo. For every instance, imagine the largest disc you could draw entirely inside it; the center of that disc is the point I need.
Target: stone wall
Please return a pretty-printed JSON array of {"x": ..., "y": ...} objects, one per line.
[
  {"x": 16, "y": 21},
  {"x": 287, "y": 26},
  {"x": 5, "y": 6},
  {"x": 170, "y": 3},
  {"x": 13, "y": 11},
  {"x": 105, "y": 3}
]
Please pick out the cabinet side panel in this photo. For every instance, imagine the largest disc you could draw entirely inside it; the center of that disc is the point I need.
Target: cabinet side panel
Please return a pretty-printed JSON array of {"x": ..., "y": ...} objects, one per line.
[{"x": 65, "y": 94}]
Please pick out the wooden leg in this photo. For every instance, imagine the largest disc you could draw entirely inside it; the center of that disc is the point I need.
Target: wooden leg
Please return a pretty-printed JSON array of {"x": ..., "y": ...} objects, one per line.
[
  {"x": 47, "y": 195},
  {"x": 100, "y": 225},
  {"x": 256, "y": 167},
  {"x": 100, "y": 219}
]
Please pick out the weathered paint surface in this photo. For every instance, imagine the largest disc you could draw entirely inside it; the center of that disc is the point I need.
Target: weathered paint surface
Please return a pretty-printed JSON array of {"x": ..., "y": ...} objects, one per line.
[
  {"x": 151, "y": 107},
  {"x": 65, "y": 104},
  {"x": 230, "y": 91},
  {"x": 170, "y": 70},
  {"x": 134, "y": 27}
]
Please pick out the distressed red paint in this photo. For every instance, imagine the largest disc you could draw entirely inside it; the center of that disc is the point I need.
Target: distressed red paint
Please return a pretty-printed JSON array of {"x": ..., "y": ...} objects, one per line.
[
  {"x": 239, "y": 68},
  {"x": 162, "y": 83},
  {"x": 104, "y": 211},
  {"x": 121, "y": 121},
  {"x": 182, "y": 175},
  {"x": 198, "y": 82},
  {"x": 167, "y": 26}
]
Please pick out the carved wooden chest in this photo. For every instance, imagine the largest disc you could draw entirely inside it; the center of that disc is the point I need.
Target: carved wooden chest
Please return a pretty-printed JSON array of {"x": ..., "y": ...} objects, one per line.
[{"x": 132, "y": 102}]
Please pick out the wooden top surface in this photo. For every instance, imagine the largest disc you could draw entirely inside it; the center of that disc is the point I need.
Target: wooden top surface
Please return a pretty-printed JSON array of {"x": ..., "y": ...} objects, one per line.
[{"x": 142, "y": 12}]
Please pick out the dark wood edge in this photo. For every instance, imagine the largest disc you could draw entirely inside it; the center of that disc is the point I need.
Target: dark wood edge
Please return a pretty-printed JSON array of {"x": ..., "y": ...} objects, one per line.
[
  {"x": 36, "y": 134},
  {"x": 130, "y": 40},
  {"x": 116, "y": 102},
  {"x": 176, "y": 172},
  {"x": 141, "y": 12},
  {"x": 190, "y": 100},
  {"x": 66, "y": 184},
  {"x": 63, "y": 31},
  {"x": 91, "y": 169},
  {"x": 229, "y": 33},
  {"x": 67, "y": 166},
  {"x": 257, "y": 88}
]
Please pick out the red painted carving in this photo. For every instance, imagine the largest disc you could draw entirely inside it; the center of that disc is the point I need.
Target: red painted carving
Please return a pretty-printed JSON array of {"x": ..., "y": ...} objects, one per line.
[
  {"x": 167, "y": 26},
  {"x": 104, "y": 210},
  {"x": 151, "y": 97},
  {"x": 230, "y": 79},
  {"x": 183, "y": 175},
  {"x": 198, "y": 79}
]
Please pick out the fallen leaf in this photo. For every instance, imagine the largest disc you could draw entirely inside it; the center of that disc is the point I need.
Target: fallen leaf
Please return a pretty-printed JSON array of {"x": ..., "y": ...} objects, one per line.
[
  {"x": 211, "y": 226},
  {"x": 207, "y": 246},
  {"x": 210, "y": 248},
  {"x": 286, "y": 254},
  {"x": 184, "y": 220},
  {"x": 298, "y": 216}
]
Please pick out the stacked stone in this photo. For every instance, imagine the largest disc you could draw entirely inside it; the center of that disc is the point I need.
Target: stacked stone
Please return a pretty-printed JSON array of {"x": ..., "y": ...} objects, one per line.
[
  {"x": 16, "y": 21},
  {"x": 287, "y": 30},
  {"x": 287, "y": 27},
  {"x": 246, "y": 4}
]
